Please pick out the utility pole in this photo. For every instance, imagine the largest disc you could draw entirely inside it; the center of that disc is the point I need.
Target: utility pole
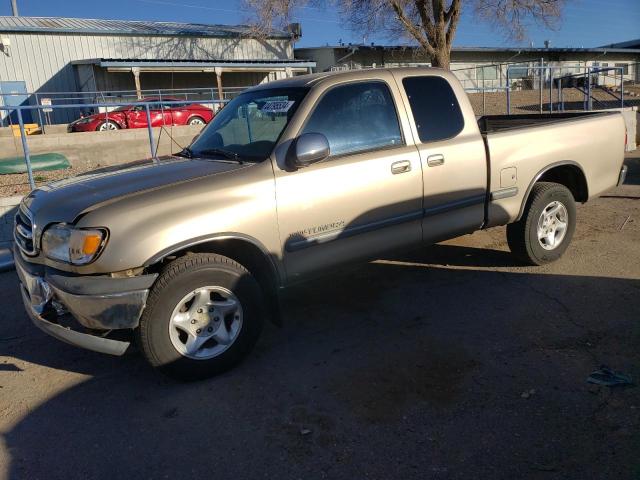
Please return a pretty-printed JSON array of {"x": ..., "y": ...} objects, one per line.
[{"x": 14, "y": 8}]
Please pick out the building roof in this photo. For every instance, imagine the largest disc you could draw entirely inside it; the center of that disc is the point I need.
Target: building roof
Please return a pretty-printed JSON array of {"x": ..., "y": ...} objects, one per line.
[
  {"x": 628, "y": 44},
  {"x": 159, "y": 64},
  {"x": 125, "y": 27},
  {"x": 541, "y": 51}
]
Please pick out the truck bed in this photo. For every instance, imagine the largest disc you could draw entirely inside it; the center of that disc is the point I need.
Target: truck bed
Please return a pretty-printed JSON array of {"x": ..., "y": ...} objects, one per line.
[
  {"x": 498, "y": 123},
  {"x": 521, "y": 147}
]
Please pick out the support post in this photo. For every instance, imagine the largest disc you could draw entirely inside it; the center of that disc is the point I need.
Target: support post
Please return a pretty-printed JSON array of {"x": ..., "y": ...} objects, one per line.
[
  {"x": 40, "y": 114},
  {"x": 218, "y": 71},
  {"x": 136, "y": 79},
  {"x": 25, "y": 149}
]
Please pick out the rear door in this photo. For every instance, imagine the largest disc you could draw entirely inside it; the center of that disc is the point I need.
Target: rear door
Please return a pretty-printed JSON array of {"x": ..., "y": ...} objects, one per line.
[
  {"x": 452, "y": 154},
  {"x": 167, "y": 112},
  {"x": 137, "y": 117},
  {"x": 364, "y": 199}
]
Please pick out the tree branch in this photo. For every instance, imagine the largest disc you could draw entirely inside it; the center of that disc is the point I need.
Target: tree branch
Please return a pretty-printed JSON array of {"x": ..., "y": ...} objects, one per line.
[
  {"x": 411, "y": 28},
  {"x": 452, "y": 17}
]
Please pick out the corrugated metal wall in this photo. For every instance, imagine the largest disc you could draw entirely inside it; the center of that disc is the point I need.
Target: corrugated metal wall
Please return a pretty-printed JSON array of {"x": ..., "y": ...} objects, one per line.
[{"x": 43, "y": 60}]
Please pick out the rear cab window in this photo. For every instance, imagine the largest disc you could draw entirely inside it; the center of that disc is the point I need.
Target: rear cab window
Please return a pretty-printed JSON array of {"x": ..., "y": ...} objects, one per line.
[{"x": 435, "y": 108}]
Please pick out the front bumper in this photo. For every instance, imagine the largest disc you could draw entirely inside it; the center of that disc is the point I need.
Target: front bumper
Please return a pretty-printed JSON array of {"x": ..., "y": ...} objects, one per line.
[{"x": 99, "y": 304}]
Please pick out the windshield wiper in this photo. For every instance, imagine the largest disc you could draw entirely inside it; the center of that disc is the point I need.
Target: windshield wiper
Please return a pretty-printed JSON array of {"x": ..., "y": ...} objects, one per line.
[{"x": 220, "y": 151}]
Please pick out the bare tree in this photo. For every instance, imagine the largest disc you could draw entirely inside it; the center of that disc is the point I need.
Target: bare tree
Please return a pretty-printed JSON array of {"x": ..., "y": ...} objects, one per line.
[{"x": 430, "y": 23}]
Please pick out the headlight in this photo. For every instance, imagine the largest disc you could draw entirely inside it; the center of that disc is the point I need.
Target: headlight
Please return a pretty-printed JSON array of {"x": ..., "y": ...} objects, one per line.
[{"x": 77, "y": 246}]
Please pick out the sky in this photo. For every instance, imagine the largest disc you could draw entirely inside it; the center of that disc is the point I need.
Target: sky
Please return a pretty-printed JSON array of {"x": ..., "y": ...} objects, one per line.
[{"x": 586, "y": 23}]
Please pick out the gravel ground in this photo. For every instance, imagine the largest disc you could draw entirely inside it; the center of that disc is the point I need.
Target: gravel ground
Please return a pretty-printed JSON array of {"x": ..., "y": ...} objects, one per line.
[
  {"x": 449, "y": 362},
  {"x": 18, "y": 184}
]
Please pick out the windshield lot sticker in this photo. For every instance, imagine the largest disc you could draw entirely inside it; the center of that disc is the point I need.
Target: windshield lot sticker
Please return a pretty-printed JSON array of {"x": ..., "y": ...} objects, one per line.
[{"x": 277, "y": 106}]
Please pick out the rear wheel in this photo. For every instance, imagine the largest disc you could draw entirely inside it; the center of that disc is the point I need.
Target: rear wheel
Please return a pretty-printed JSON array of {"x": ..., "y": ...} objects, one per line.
[
  {"x": 203, "y": 316},
  {"x": 545, "y": 230},
  {"x": 197, "y": 121},
  {"x": 108, "y": 125}
]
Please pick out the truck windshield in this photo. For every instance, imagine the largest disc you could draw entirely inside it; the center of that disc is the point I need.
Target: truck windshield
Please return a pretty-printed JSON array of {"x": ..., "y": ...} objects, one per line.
[{"x": 249, "y": 126}]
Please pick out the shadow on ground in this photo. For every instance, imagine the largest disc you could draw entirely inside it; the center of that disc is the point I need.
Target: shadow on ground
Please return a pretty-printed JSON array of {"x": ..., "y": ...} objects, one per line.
[{"x": 410, "y": 367}]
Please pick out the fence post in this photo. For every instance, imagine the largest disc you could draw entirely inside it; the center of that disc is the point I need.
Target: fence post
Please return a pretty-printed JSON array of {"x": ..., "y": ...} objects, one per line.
[
  {"x": 622, "y": 87},
  {"x": 150, "y": 130},
  {"x": 540, "y": 83},
  {"x": 25, "y": 149},
  {"x": 508, "y": 94},
  {"x": 589, "y": 103},
  {"x": 484, "y": 102}
]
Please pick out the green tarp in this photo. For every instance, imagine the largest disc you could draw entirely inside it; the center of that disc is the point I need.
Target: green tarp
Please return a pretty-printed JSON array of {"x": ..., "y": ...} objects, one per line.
[{"x": 43, "y": 161}]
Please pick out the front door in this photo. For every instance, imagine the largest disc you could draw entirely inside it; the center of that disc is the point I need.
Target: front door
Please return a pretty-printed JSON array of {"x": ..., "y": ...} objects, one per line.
[{"x": 364, "y": 199}]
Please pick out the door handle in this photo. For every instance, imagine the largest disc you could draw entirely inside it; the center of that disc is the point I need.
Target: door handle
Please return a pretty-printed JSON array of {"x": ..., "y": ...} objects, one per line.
[
  {"x": 402, "y": 166},
  {"x": 435, "y": 160}
]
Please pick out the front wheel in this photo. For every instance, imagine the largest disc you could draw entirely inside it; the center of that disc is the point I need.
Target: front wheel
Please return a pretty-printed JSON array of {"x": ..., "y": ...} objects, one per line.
[
  {"x": 203, "y": 316},
  {"x": 197, "y": 121},
  {"x": 108, "y": 126},
  {"x": 545, "y": 230}
]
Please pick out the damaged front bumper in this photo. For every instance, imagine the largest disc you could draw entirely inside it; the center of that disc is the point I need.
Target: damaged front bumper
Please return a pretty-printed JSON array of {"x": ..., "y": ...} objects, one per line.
[{"x": 99, "y": 304}]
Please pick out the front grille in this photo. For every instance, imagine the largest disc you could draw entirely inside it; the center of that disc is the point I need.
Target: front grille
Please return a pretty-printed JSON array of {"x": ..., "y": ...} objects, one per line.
[{"x": 24, "y": 232}]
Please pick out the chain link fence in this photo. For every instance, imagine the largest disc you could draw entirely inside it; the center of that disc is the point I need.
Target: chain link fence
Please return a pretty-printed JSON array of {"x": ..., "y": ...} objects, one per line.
[
  {"x": 140, "y": 133},
  {"x": 539, "y": 87}
]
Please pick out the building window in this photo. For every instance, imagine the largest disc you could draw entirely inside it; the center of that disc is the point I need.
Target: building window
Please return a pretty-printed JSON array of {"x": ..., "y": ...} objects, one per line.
[
  {"x": 488, "y": 73},
  {"x": 625, "y": 68}
]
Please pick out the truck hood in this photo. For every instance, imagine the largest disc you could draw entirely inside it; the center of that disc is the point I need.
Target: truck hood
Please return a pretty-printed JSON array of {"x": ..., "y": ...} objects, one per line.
[{"x": 64, "y": 200}]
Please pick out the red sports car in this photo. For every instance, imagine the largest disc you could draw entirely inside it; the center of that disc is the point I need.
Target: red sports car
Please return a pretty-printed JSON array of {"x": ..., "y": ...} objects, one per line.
[{"x": 135, "y": 116}]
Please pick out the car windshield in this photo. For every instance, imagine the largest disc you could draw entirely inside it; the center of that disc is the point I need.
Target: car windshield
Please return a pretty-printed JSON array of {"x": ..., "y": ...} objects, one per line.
[{"x": 249, "y": 126}]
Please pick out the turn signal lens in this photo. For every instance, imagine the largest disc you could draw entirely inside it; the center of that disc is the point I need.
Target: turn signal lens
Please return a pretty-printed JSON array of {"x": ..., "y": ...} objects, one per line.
[{"x": 91, "y": 244}]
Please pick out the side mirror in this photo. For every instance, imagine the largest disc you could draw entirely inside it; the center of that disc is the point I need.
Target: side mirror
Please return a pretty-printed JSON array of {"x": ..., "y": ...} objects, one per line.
[{"x": 308, "y": 148}]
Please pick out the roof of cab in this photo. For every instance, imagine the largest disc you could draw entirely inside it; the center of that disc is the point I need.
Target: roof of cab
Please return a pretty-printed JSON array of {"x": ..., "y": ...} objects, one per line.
[{"x": 317, "y": 78}]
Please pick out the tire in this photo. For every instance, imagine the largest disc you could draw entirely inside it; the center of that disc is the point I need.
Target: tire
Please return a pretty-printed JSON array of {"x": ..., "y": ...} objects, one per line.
[
  {"x": 107, "y": 126},
  {"x": 197, "y": 121},
  {"x": 555, "y": 203},
  {"x": 162, "y": 333}
]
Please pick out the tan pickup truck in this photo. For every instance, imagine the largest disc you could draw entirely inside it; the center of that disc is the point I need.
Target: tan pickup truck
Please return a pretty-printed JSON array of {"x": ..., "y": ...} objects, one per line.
[{"x": 293, "y": 178}]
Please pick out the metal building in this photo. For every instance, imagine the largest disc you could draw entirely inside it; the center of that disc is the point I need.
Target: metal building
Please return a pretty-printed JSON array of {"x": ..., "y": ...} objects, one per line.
[
  {"x": 41, "y": 56},
  {"x": 478, "y": 66}
]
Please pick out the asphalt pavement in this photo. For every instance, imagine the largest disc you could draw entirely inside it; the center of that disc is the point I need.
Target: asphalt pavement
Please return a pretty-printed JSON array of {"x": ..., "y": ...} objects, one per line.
[{"x": 449, "y": 362}]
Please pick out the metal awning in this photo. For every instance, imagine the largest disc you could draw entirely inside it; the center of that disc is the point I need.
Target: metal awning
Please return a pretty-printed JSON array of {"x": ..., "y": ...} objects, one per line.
[{"x": 143, "y": 65}]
